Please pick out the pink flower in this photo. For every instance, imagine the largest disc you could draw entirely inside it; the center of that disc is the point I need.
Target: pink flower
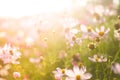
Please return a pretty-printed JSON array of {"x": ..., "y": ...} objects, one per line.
[
  {"x": 59, "y": 73},
  {"x": 16, "y": 74},
  {"x": 87, "y": 32},
  {"x": 9, "y": 54},
  {"x": 116, "y": 68}
]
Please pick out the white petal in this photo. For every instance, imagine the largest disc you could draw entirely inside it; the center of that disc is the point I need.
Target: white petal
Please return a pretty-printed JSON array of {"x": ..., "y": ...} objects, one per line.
[
  {"x": 87, "y": 76},
  {"x": 107, "y": 30},
  {"x": 82, "y": 70},
  {"x": 91, "y": 59},
  {"x": 97, "y": 30},
  {"x": 102, "y": 28},
  {"x": 83, "y": 28},
  {"x": 69, "y": 73},
  {"x": 74, "y": 31},
  {"x": 76, "y": 70}
]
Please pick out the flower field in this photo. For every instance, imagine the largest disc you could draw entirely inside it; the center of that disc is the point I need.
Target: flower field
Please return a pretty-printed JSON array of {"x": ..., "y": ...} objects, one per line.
[{"x": 84, "y": 45}]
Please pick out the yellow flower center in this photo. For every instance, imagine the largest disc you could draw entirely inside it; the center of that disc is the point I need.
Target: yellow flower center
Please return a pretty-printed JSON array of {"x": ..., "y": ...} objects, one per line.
[
  {"x": 97, "y": 59},
  {"x": 73, "y": 38},
  {"x": 101, "y": 33},
  {"x": 89, "y": 29},
  {"x": 78, "y": 77},
  {"x": 63, "y": 71}
]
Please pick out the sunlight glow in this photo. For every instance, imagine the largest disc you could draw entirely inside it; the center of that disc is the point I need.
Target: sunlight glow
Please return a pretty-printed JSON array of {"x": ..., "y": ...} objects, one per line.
[{"x": 18, "y": 8}]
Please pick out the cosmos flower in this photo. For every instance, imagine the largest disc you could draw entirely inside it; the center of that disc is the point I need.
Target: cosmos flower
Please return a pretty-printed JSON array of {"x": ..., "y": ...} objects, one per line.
[
  {"x": 9, "y": 54},
  {"x": 101, "y": 32},
  {"x": 70, "y": 36},
  {"x": 59, "y": 73},
  {"x": 116, "y": 68},
  {"x": 87, "y": 32},
  {"x": 77, "y": 74},
  {"x": 36, "y": 60},
  {"x": 16, "y": 74},
  {"x": 96, "y": 58}
]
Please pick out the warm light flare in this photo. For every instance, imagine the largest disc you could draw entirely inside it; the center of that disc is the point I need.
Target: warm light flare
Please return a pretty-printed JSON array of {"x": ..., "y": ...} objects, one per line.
[{"x": 18, "y": 8}]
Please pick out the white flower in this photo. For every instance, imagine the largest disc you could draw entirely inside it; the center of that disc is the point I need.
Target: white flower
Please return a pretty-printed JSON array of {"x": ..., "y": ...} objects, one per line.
[
  {"x": 116, "y": 68},
  {"x": 87, "y": 32},
  {"x": 70, "y": 36},
  {"x": 77, "y": 74},
  {"x": 96, "y": 58},
  {"x": 101, "y": 32},
  {"x": 59, "y": 73}
]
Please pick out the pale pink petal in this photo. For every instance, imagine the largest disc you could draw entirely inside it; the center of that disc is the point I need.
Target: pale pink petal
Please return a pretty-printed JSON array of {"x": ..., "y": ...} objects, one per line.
[
  {"x": 76, "y": 70},
  {"x": 86, "y": 76},
  {"x": 102, "y": 28},
  {"x": 70, "y": 73},
  {"x": 83, "y": 28}
]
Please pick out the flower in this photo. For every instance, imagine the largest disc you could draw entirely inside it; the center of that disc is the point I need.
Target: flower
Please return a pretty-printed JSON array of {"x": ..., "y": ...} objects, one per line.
[
  {"x": 59, "y": 73},
  {"x": 70, "y": 36},
  {"x": 101, "y": 32},
  {"x": 4, "y": 70},
  {"x": 16, "y": 74},
  {"x": 9, "y": 54},
  {"x": 77, "y": 74},
  {"x": 116, "y": 68},
  {"x": 36, "y": 60},
  {"x": 96, "y": 58},
  {"x": 87, "y": 32}
]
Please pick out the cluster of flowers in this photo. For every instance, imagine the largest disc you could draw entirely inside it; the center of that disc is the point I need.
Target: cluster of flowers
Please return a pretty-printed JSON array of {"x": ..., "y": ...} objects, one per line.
[
  {"x": 8, "y": 55},
  {"x": 79, "y": 73},
  {"x": 87, "y": 33},
  {"x": 75, "y": 74}
]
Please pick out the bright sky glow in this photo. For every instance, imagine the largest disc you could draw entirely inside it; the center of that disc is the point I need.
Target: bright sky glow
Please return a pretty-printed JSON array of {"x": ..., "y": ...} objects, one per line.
[{"x": 19, "y": 8}]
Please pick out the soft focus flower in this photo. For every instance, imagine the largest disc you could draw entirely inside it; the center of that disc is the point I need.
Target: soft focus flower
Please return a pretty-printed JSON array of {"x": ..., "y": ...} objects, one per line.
[
  {"x": 59, "y": 73},
  {"x": 4, "y": 70},
  {"x": 36, "y": 60},
  {"x": 16, "y": 74},
  {"x": 70, "y": 36},
  {"x": 78, "y": 74},
  {"x": 62, "y": 54},
  {"x": 87, "y": 31},
  {"x": 116, "y": 68},
  {"x": 101, "y": 32},
  {"x": 96, "y": 58},
  {"x": 9, "y": 54}
]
